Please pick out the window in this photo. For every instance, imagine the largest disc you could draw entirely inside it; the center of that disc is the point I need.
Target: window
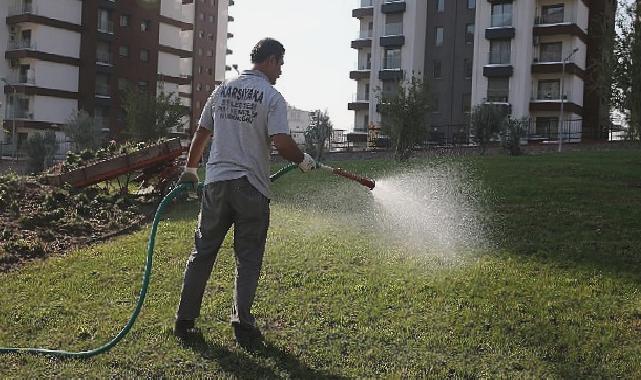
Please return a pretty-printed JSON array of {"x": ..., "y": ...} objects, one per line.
[
  {"x": 498, "y": 90},
  {"x": 390, "y": 88},
  {"x": 210, "y": 53},
  {"x": 210, "y": 36},
  {"x": 551, "y": 52},
  {"x": 143, "y": 86},
  {"x": 435, "y": 104},
  {"x": 201, "y": 17},
  {"x": 471, "y": 4},
  {"x": 502, "y": 14},
  {"x": 440, "y": 6},
  {"x": 552, "y": 14},
  {"x": 123, "y": 51},
  {"x": 469, "y": 33},
  {"x": 144, "y": 55},
  {"x": 467, "y": 68},
  {"x": 124, "y": 20},
  {"x": 102, "y": 85},
  {"x": 201, "y": 34},
  {"x": 437, "y": 69},
  {"x": 500, "y": 51},
  {"x": 211, "y": 18},
  {"x": 103, "y": 52},
  {"x": 392, "y": 59},
  {"x": 210, "y": 71},
  {"x": 207, "y": 88},
  {"x": 199, "y": 87},
  {"x": 123, "y": 84},
  {"x": 200, "y": 52},
  {"x": 145, "y": 25},
  {"x": 200, "y": 69},
  {"x": 104, "y": 21},
  {"x": 549, "y": 89},
  {"x": 439, "y": 36},
  {"x": 394, "y": 24}
]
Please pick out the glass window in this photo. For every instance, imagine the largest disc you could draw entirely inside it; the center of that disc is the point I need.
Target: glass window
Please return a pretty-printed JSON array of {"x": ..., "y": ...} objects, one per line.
[
  {"x": 211, "y": 18},
  {"x": 440, "y": 6},
  {"x": 549, "y": 89},
  {"x": 500, "y": 51},
  {"x": 390, "y": 88},
  {"x": 440, "y": 32},
  {"x": 392, "y": 59},
  {"x": 471, "y": 4},
  {"x": 552, "y": 14},
  {"x": 144, "y": 55},
  {"x": 124, "y": 20},
  {"x": 551, "y": 52},
  {"x": 469, "y": 33},
  {"x": 123, "y": 84},
  {"x": 498, "y": 90},
  {"x": 502, "y": 15},
  {"x": 547, "y": 126},
  {"x": 145, "y": 25},
  {"x": 435, "y": 104},
  {"x": 467, "y": 103},
  {"x": 123, "y": 51},
  {"x": 437, "y": 69},
  {"x": 394, "y": 24}
]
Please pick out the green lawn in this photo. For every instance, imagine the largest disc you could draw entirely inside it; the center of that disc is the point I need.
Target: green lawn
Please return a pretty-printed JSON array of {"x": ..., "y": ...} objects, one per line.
[{"x": 554, "y": 291}]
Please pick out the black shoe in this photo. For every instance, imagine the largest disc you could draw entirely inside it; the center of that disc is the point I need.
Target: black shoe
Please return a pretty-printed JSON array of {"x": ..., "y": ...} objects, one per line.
[
  {"x": 184, "y": 328},
  {"x": 248, "y": 337}
]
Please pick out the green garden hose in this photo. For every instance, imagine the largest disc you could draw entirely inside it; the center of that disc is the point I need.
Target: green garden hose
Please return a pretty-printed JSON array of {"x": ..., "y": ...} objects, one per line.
[{"x": 147, "y": 275}]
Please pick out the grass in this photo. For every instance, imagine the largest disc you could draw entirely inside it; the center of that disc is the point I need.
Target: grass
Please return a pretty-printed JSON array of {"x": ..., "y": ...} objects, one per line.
[{"x": 557, "y": 294}]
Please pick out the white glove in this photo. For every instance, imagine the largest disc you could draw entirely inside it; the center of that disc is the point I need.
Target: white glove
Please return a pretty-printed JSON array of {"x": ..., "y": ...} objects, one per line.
[
  {"x": 189, "y": 177},
  {"x": 307, "y": 164}
]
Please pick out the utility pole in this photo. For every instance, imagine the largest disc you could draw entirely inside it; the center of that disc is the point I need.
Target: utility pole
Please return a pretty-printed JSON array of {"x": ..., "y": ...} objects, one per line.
[{"x": 566, "y": 59}]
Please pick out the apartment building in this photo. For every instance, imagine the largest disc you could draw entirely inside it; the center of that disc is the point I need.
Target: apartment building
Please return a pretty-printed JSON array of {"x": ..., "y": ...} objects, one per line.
[
  {"x": 531, "y": 57},
  {"x": 390, "y": 46},
  {"x": 67, "y": 55},
  {"x": 430, "y": 39},
  {"x": 299, "y": 121}
]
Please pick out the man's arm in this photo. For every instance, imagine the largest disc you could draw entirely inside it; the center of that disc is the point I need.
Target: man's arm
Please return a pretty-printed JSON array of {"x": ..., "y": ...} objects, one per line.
[
  {"x": 198, "y": 144},
  {"x": 287, "y": 148}
]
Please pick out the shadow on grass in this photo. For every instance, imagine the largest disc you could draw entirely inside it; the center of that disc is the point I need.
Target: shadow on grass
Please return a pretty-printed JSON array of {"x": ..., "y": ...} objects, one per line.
[{"x": 244, "y": 366}]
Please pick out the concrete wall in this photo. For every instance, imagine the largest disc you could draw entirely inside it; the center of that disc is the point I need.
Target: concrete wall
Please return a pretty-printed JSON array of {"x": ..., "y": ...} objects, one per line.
[
  {"x": 221, "y": 40},
  {"x": 55, "y": 76},
  {"x": 64, "y": 10},
  {"x": 54, "y": 40},
  {"x": 169, "y": 64},
  {"x": 52, "y": 110}
]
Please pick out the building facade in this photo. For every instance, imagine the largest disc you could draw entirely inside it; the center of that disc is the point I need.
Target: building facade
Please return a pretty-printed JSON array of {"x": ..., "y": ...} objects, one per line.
[
  {"x": 299, "y": 121},
  {"x": 68, "y": 55},
  {"x": 531, "y": 57}
]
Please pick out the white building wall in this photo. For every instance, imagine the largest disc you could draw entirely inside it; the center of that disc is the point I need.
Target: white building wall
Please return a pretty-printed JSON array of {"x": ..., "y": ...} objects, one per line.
[
  {"x": 168, "y": 64},
  {"x": 172, "y": 9},
  {"x": 522, "y": 57},
  {"x": 221, "y": 41},
  {"x": 169, "y": 35},
  {"x": 298, "y": 121},
  {"x": 52, "y": 110},
  {"x": 54, "y": 40},
  {"x": 63, "y": 10},
  {"x": 55, "y": 75}
]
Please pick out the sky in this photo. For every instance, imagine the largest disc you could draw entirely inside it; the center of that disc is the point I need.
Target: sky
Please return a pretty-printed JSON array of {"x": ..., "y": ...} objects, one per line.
[{"x": 318, "y": 57}]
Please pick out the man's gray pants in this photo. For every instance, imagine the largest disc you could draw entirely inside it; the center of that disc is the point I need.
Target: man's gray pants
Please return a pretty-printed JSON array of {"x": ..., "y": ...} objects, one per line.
[{"x": 225, "y": 203}]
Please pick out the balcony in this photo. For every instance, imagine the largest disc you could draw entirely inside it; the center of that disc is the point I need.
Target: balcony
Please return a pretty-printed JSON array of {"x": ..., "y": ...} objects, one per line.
[
  {"x": 106, "y": 27},
  {"x": 393, "y": 6},
  {"x": 20, "y": 114},
  {"x": 364, "y": 8},
  {"x": 22, "y": 8},
  {"x": 23, "y": 78},
  {"x": 21, "y": 45},
  {"x": 103, "y": 90},
  {"x": 364, "y": 34},
  {"x": 359, "y": 102},
  {"x": 104, "y": 58},
  {"x": 556, "y": 67}
]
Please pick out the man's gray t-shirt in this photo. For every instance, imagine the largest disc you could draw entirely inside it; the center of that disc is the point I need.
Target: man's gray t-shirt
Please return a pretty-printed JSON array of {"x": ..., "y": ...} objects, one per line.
[{"x": 243, "y": 114}]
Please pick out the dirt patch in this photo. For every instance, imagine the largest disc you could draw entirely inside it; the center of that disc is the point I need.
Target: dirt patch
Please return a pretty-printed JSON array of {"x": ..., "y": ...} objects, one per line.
[{"x": 38, "y": 221}]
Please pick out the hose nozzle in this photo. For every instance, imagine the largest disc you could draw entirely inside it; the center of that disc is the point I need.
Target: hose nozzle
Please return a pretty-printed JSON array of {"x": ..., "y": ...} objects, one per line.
[{"x": 369, "y": 183}]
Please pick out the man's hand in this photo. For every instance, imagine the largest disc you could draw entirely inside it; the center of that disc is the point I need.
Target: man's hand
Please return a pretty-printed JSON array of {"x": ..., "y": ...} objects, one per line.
[
  {"x": 307, "y": 164},
  {"x": 189, "y": 178}
]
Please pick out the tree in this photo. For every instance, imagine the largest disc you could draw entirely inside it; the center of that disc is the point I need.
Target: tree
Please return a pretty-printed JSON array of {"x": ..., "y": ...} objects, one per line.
[
  {"x": 404, "y": 115},
  {"x": 83, "y": 131},
  {"x": 486, "y": 121},
  {"x": 41, "y": 150},
  {"x": 513, "y": 130},
  {"x": 151, "y": 117},
  {"x": 318, "y": 134}
]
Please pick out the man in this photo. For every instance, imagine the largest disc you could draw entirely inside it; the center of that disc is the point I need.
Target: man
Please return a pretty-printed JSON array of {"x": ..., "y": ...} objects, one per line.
[{"x": 243, "y": 115}]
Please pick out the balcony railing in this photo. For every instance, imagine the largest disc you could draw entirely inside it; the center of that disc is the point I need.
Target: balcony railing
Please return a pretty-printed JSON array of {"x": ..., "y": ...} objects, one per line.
[
  {"x": 364, "y": 3},
  {"x": 394, "y": 29},
  {"x": 21, "y": 8},
  {"x": 103, "y": 90},
  {"x": 20, "y": 114},
  {"x": 106, "y": 27},
  {"x": 360, "y": 98},
  {"x": 363, "y": 66},
  {"x": 364, "y": 34},
  {"x": 501, "y": 20},
  {"x": 21, "y": 44},
  {"x": 23, "y": 78},
  {"x": 392, "y": 63},
  {"x": 103, "y": 57}
]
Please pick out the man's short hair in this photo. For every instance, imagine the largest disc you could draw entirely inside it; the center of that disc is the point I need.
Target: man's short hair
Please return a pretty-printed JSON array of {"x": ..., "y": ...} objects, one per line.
[{"x": 265, "y": 48}]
